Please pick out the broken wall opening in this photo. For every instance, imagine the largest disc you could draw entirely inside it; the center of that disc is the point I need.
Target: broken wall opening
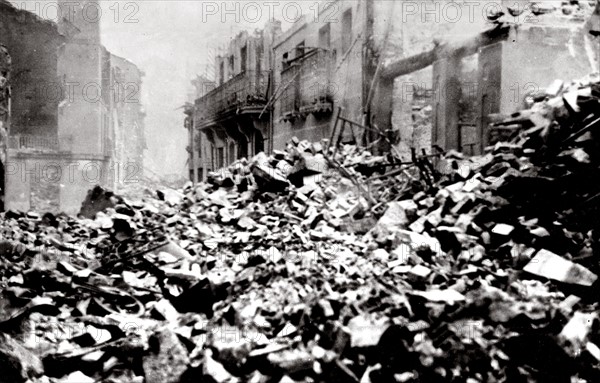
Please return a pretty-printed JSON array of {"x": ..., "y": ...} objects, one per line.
[
  {"x": 469, "y": 140},
  {"x": 412, "y": 112}
]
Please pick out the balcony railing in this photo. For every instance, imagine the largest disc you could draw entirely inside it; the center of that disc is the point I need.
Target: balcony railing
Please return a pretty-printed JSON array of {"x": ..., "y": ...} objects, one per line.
[
  {"x": 32, "y": 142},
  {"x": 308, "y": 85},
  {"x": 245, "y": 91}
]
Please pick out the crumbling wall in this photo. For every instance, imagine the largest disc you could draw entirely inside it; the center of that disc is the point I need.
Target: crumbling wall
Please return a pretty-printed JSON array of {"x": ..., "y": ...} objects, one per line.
[
  {"x": 36, "y": 90},
  {"x": 558, "y": 50},
  {"x": 412, "y": 112},
  {"x": 535, "y": 56},
  {"x": 83, "y": 119},
  {"x": 129, "y": 137},
  {"x": 344, "y": 85},
  {"x": 5, "y": 72}
]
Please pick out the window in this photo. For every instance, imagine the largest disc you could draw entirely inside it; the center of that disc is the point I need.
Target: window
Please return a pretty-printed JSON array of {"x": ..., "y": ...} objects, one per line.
[
  {"x": 243, "y": 57},
  {"x": 231, "y": 65},
  {"x": 300, "y": 49},
  {"x": 212, "y": 157},
  {"x": 221, "y": 73},
  {"x": 199, "y": 143},
  {"x": 284, "y": 60},
  {"x": 346, "y": 31},
  {"x": 220, "y": 158},
  {"x": 232, "y": 154},
  {"x": 325, "y": 36}
]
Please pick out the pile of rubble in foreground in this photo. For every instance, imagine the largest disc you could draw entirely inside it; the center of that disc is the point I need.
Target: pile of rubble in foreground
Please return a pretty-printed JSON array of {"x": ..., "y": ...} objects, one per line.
[{"x": 315, "y": 266}]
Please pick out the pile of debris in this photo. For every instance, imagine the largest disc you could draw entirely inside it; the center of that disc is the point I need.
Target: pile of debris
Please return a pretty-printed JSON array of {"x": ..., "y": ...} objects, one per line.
[{"x": 320, "y": 264}]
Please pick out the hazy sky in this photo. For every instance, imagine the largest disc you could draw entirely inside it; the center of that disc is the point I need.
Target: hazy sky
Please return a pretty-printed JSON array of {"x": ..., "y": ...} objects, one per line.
[{"x": 170, "y": 41}]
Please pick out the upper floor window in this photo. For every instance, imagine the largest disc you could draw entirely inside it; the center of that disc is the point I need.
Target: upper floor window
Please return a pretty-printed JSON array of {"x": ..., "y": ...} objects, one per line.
[
  {"x": 221, "y": 73},
  {"x": 346, "y": 30},
  {"x": 300, "y": 49},
  {"x": 284, "y": 60},
  {"x": 243, "y": 57},
  {"x": 325, "y": 36},
  {"x": 231, "y": 65}
]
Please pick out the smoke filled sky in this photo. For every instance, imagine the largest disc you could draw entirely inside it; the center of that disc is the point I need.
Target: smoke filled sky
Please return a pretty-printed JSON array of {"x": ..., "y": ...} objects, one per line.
[{"x": 172, "y": 41}]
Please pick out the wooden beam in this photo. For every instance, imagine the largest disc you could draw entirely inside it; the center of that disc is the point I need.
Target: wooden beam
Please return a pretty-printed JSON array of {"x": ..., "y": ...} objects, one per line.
[
  {"x": 464, "y": 48},
  {"x": 408, "y": 65}
]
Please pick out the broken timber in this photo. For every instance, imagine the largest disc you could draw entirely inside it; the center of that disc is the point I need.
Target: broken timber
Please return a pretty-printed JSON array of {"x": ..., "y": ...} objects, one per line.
[{"x": 465, "y": 48}]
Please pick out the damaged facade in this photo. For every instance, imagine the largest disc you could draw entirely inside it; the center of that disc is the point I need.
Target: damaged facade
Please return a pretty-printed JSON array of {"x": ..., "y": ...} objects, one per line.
[
  {"x": 128, "y": 116},
  {"x": 408, "y": 75},
  {"x": 68, "y": 112},
  {"x": 32, "y": 126},
  {"x": 5, "y": 72},
  {"x": 233, "y": 120},
  {"x": 457, "y": 72},
  {"x": 319, "y": 65}
]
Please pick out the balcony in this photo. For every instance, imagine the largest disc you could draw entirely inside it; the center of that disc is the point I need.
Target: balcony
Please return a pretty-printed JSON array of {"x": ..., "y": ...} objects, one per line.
[
  {"x": 243, "y": 94},
  {"x": 32, "y": 142},
  {"x": 309, "y": 88}
]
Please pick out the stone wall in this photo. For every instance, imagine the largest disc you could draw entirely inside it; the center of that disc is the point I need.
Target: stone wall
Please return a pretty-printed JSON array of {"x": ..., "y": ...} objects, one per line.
[
  {"x": 344, "y": 84},
  {"x": 129, "y": 117},
  {"x": 36, "y": 89},
  {"x": 548, "y": 41}
]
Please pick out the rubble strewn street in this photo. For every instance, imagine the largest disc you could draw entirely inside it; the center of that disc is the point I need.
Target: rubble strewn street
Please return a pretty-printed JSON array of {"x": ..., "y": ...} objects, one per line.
[{"x": 318, "y": 264}]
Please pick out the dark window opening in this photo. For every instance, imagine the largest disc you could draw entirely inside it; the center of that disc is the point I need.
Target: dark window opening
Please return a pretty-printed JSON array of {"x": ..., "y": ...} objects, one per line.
[
  {"x": 243, "y": 148},
  {"x": 231, "y": 153},
  {"x": 325, "y": 36},
  {"x": 259, "y": 142},
  {"x": 231, "y": 65},
  {"x": 284, "y": 60},
  {"x": 300, "y": 49},
  {"x": 346, "y": 30},
  {"x": 221, "y": 73},
  {"x": 212, "y": 157},
  {"x": 243, "y": 57},
  {"x": 220, "y": 158}
]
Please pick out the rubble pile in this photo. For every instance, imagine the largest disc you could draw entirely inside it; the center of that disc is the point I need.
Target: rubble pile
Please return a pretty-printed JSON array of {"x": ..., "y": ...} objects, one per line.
[{"x": 320, "y": 264}]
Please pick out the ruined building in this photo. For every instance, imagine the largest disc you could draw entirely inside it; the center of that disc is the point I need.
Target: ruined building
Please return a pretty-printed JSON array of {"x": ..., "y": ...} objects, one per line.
[
  {"x": 201, "y": 85},
  {"x": 408, "y": 75},
  {"x": 319, "y": 64},
  {"x": 5, "y": 72},
  {"x": 67, "y": 113},
  {"x": 457, "y": 69},
  {"x": 233, "y": 119},
  {"x": 32, "y": 128},
  {"x": 128, "y": 119}
]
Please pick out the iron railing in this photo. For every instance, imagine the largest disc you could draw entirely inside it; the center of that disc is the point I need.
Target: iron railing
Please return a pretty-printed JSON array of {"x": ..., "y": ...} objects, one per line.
[
  {"x": 308, "y": 84},
  {"x": 247, "y": 89},
  {"x": 33, "y": 142}
]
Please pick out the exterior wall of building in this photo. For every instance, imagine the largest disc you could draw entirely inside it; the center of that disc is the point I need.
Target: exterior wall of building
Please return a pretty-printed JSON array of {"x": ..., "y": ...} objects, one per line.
[
  {"x": 128, "y": 118},
  {"x": 231, "y": 121},
  {"x": 35, "y": 94},
  {"x": 412, "y": 114},
  {"x": 5, "y": 74},
  {"x": 36, "y": 89},
  {"x": 86, "y": 117},
  {"x": 462, "y": 93},
  {"x": 335, "y": 73},
  {"x": 244, "y": 55},
  {"x": 82, "y": 62},
  {"x": 526, "y": 68},
  {"x": 62, "y": 144}
]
